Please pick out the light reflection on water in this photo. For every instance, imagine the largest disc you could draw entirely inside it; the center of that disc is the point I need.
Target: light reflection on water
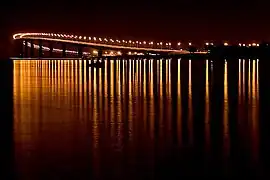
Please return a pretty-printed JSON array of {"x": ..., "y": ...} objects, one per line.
[{"x": 132, "y": 117}]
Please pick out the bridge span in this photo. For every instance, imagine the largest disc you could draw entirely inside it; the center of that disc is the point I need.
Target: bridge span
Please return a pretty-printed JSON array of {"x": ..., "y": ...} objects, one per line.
[{"x": 100, "y": 44}]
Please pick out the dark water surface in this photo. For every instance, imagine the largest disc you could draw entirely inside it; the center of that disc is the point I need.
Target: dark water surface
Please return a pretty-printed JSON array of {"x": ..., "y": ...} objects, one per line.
[{"x": 140, "y": 119}]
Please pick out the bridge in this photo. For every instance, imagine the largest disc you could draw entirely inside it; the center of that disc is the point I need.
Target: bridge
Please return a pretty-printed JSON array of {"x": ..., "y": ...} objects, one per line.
[{"x": 102, "y": 45}]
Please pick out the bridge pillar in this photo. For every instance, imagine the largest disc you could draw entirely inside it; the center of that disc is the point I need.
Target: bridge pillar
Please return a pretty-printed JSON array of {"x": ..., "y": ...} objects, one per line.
[
  {"x": 124, "y": 53},
  {"x": 25, "y": 48},
  {"x": 32, "y": 48},
  {"x": 21, "y": 49},
  {"x": 80, "y": 52},
  {"x": 51, "y": 49},
  {"x": 64, "y": 49},
  {"x": 40, "y": 54},
  {"x": 99, "y": 52}
]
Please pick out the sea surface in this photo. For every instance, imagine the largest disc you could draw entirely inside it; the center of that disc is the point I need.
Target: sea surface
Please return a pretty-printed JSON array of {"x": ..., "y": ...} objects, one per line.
[{"x": 140, "y": 119}]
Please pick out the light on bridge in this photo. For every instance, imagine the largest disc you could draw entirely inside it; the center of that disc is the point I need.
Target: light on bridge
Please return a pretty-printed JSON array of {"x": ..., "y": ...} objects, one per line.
[
  {"x": 189, "y": 43},
  {"x": 179, "y": 44},
  {"x": 119, "y": 53},
  {"x": 95, "y": 52},
  {"x": 226, "y": 44},
  {"x": 207, "y": 44}
]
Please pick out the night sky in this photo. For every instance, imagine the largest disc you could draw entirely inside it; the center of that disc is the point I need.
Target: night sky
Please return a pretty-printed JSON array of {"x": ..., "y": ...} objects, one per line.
[{"x": 177, "y": 20}]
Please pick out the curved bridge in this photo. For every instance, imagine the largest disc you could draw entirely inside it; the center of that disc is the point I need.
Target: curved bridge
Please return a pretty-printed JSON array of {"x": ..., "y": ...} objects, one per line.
[{"x": 101, "y": 43}]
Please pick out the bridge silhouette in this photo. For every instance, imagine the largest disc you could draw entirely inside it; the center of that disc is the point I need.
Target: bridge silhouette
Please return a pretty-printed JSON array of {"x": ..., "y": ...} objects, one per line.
[{"x": 101, "y": 45}]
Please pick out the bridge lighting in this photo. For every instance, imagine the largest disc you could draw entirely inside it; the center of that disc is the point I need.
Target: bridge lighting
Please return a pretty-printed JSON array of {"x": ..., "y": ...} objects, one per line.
[
  {"x": 249, "y": 45},
  {"x": 160, "y": 43},
  {"x": 140, "y": 42},
  {"x": 258, "y": 45},
  {"x": 106, "y": 52},
  {"x": 240, "y": 44},
  {"x": 95, "y": 52},
  {"x": 119, "y": 53},
  {"x": 99, "y": 39},
  {"x": 254, "y": 44},
  {"x": 89, "y": 38},
  {"x": 179, "y": 44},
  {"x": 80, "y": 37},
  {"x": 212, "y": 44},
  {"x": 58, "y": 35},
  {"x": 170, "y": 44},
  {"x": 94, "y": 38},
  {"x": 144, "y": 42},
  {"x": 226, "y": 44},
  {"x": 129, "y": 53},
  {"x": 76, "y": 37},
  {"x": 84, "y": 37},
  {"x": 189, "y": 43},
  {"x": 133, "y": 42},
  {"x": 152, "y": 42},
  {"x": 244, "y": 44},
  {"x": 129, "y": 41},
  {"x": 207, "y": 44}
]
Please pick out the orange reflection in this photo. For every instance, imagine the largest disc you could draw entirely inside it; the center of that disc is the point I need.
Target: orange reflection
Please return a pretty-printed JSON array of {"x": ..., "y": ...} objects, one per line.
[
  {"x": 179, "y": 105},
  {"x": 190, "y": 108},
  {"x": 254, "y": 113},
  {"x": 207, "y": 108},
  {"x": 226, "y": 112}
]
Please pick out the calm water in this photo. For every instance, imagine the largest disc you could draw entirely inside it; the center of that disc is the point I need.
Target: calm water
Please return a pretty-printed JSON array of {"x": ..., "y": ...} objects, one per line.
[{"x": 137, "y": 119}]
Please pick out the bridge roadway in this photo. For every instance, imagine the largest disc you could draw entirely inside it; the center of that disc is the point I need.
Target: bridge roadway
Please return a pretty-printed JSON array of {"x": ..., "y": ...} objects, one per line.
[{"x": 79, "y": 40}]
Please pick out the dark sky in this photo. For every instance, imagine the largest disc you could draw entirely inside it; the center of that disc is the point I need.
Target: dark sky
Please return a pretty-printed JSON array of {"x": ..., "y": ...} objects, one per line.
[{"x": 170, "y": 20}]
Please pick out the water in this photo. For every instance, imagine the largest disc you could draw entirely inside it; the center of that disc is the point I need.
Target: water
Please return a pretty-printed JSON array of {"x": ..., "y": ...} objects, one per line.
[{"x": 137, "y": 119}]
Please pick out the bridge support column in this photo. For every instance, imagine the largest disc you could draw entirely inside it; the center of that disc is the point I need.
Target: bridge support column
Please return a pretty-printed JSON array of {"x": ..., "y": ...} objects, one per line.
[
  {"x": 80, "y": 52},
  {"x": 64, "y": 48},
  {"x": 32, "y": 48},
  {"x": 40, "y": 53},
  {"x": 21, "y": 49},
  {"x": 25, "y": 48},
  {"x": 99, "y": 52},
  {"x": 124, "y": 53},
  {"x": 51, "y": 49}
]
